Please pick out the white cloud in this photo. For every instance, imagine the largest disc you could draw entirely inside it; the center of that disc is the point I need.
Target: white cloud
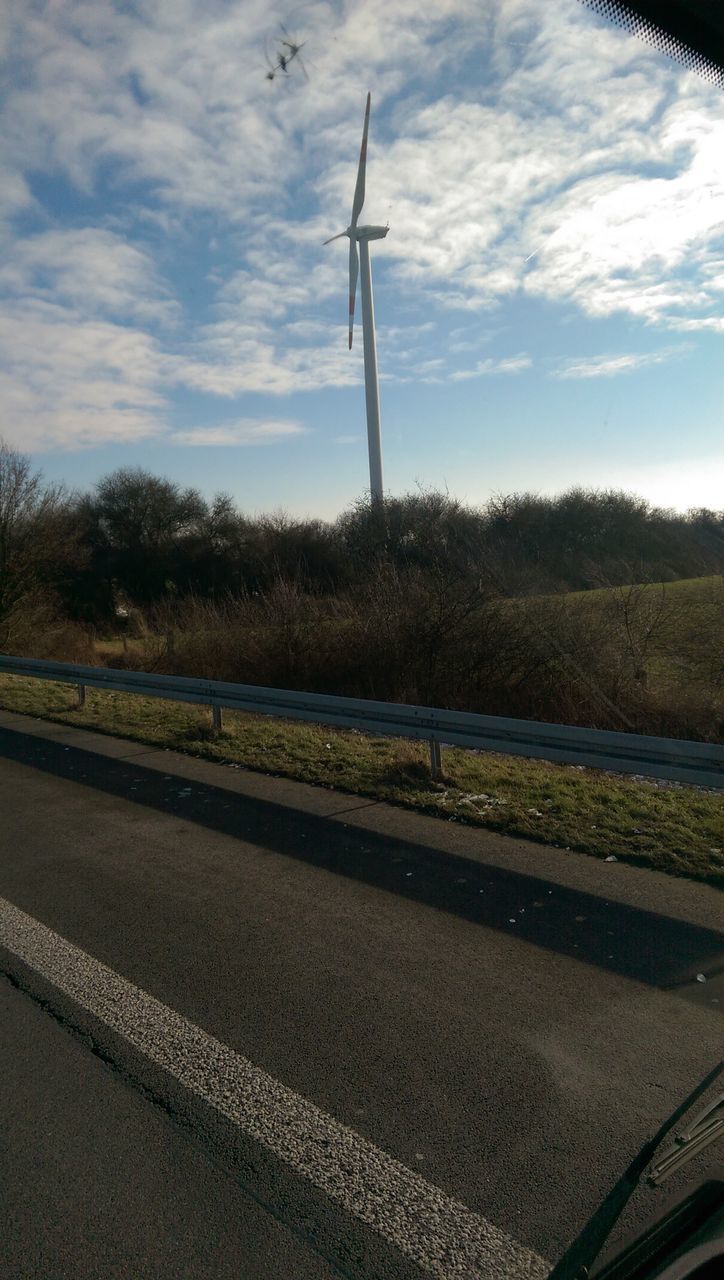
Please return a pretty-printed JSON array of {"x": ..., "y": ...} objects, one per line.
[
  {"x": 469, "y": 338},
  {"x": 89, "y": 268},
  {"x": 697, "y": 324},
  {"x": 637, "y": 244},
  {"x": 14, "y": 192},
  {"x": 603, "y": 189},
  {"x": 234, "y": 356},
  {"x": 178, "y": 99},
  {"x": 244, "y": 432},
  {"x": 484, "y": 368},
  {"x": 277, "y": 284},
  {"x": 607, "y": 366},
  {"x": 176, "y": 96},
  {"x": 575, "y": 166},
  {"x": 69, "y": 382},
  {"x": 163, "y": 96}
]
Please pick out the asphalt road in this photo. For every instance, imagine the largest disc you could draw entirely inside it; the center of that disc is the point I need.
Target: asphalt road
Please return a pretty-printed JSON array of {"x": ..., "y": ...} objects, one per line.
[
  {"x": 97, "y": 1182},
  {"x": 336, "y": 1036}
]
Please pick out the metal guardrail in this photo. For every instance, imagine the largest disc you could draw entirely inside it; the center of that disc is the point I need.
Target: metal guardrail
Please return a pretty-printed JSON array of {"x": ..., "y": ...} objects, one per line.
[{"x": 697, "y": 763}]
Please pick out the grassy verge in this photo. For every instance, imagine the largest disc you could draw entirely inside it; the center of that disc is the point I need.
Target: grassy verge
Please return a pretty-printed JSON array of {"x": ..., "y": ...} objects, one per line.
[
  {"x": 686, "y": 645},
  {"x": 680, "y": 831}
]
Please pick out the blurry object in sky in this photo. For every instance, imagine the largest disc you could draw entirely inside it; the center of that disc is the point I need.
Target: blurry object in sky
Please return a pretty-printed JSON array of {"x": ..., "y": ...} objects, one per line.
[
  {"x": 692, "y": 31},
  {"x": 286, "y": 51}
]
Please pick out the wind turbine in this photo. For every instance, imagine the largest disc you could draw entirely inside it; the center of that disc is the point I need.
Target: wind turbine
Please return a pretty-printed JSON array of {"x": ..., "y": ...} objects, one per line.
[{"x": 361, "y": 236}]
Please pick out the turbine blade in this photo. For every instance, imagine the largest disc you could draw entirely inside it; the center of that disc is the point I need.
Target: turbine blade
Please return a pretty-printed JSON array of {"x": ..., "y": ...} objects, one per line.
[
  {"x": 353, "y": 273},
  {"x": 339, "y": 237},
  {"x": 359, "y": 191}
]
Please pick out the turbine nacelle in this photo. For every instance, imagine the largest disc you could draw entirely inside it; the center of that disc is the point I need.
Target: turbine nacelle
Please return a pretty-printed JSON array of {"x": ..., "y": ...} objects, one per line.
[
  {"x": 369, "y": 233},
  {"x": 361, "y": 233}
]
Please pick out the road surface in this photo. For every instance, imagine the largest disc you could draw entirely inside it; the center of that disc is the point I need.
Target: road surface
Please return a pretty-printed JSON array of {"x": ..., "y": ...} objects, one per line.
[{"x": 252, "y": 1028}]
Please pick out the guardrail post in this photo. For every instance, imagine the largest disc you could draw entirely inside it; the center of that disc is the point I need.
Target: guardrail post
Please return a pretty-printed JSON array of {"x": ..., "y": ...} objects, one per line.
[
  {"x": 81, "y": 695},
  {"x": 435, "y": 760},
  {"x": 216, "y": 719}
]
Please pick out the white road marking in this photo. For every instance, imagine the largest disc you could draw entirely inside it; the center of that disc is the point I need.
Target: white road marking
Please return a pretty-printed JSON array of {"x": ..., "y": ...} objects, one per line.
[{"x": 440, "y": 1234}]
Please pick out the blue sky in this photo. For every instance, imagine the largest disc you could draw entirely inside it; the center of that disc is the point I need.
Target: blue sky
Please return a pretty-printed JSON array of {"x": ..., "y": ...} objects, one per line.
[{"x": 549, "y": 299}]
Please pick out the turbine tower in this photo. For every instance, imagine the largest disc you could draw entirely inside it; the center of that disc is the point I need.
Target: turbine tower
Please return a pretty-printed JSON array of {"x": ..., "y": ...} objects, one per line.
[{"x": 361, "y": 236}]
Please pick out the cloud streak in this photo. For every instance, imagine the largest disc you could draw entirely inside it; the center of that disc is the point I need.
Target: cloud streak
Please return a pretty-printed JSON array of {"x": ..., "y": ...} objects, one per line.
[
  {"x": 489, "y": 367},
  {"x": 242, "y": 434},
  {"x": 609, "y": 366}
]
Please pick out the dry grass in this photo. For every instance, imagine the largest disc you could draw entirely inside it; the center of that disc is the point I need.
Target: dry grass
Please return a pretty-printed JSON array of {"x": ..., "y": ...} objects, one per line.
[{"x": 647, "y": 658}]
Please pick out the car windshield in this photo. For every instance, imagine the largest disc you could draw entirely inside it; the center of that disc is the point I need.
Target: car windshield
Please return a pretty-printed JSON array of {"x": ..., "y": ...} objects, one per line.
[{"x": 361, "y": 632}]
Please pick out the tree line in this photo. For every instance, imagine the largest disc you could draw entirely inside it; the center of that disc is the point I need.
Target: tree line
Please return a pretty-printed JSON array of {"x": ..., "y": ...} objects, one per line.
[
  {"x": 137, "y": 539},
  {"x": 418, "y": 599}
]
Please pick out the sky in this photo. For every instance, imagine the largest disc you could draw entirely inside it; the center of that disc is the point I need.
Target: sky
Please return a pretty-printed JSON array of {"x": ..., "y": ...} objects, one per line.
[{"x": 549, "y": 299}]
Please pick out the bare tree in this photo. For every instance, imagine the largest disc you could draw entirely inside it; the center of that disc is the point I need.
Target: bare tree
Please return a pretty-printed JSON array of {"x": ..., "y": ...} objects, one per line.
[
  {"x": 38, "y": 541},
  {"x": 29, "y": 513}
]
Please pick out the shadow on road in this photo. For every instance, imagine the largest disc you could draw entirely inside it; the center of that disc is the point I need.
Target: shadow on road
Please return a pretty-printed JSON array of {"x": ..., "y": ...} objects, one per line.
[{"x": 639, "y": 944}]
